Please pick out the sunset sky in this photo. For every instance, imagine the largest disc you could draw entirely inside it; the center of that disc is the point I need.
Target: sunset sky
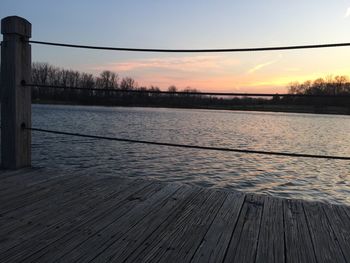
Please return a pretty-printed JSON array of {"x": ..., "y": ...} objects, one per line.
[{"x": 191, "y": 24}]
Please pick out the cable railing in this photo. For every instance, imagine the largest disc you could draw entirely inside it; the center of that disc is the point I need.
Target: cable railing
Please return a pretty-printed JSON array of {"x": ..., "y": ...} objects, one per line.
[
  {"x": 209, "y": 148},
  {"x": 224, "y": 50},
  {"x": 236, "y": 94},
  {"x": 23, "y": 62},
  {"x": 188, "y": 146}
]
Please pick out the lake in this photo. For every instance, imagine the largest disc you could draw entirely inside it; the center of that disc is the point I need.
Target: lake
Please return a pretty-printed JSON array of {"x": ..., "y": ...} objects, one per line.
[{"x": 302, "y": 178}]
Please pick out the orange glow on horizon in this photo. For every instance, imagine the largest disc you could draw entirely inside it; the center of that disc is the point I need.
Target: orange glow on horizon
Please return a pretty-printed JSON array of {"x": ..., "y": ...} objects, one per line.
[
  {"x": 229, "y": 73},
  {"x": 273, "y": 84}
]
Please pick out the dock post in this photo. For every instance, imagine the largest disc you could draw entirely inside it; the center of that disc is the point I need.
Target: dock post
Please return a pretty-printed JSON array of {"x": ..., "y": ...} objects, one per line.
[{"x": 15, "y": 98}]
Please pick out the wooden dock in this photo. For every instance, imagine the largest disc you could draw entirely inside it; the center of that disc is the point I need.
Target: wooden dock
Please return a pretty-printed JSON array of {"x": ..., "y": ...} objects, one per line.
[{"x": 50, "y": 216}]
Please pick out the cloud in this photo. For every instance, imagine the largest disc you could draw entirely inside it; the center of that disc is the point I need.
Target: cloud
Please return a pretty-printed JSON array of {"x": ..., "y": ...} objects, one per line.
[
  {"x": 263, "y": 65},
  {"x": 347, "y": 14},
  {"x": 189, "y": 63},
  {"x": 260, "y": 66}
]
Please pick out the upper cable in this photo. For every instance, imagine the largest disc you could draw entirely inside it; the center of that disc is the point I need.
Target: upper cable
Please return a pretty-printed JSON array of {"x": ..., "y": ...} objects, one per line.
[{"x": 253, "y": 49}]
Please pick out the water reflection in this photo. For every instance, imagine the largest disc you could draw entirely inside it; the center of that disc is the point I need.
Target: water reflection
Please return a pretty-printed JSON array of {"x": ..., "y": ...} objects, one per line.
[{"x": 311, "y": 179}]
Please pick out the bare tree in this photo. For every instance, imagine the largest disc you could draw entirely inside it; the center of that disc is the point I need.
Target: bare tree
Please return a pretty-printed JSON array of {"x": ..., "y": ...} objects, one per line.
[
  {"x": 107, "y": 80},
  {"x": 172, "y": 88},
  {"x": 128, "y": 83}
]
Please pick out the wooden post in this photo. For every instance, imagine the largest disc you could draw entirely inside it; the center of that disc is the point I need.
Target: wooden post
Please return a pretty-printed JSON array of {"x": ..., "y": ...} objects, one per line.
[{"x": 15, "y": 98}]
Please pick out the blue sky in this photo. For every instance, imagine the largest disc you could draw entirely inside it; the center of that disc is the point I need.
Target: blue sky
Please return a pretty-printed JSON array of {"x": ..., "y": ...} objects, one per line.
[{"x": 193, "y": 24}]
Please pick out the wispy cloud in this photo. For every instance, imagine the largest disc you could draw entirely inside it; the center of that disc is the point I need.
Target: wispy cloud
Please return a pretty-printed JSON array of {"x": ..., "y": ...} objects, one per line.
[
  {"x": 263, "y": 65},
  {"x": 189, "y": 63},
  {"x": 347, "y": 14}
]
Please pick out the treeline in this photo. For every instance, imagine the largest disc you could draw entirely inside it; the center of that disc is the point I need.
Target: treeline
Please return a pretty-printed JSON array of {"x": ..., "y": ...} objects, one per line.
[
  {"x": 338, "y": 85},
  {"x": 91, "y": 91},
  {"x": 45, "y": 74},
  {"x": 327, "y": 87}
]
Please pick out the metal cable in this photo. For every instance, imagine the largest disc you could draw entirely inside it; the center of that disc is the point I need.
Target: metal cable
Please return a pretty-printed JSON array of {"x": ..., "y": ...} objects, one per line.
[
  {"x": 192, "y": 146},
  {"x": 192, "y": 50},
  {"x": 185, "y": 93}
]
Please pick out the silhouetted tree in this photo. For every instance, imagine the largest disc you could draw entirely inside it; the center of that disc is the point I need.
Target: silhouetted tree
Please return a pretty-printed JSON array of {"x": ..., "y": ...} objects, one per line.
[
  {"x": 43, "y": 73},
  {"x": 128, "y": 83},
  {"x": 172, "y": 88}
]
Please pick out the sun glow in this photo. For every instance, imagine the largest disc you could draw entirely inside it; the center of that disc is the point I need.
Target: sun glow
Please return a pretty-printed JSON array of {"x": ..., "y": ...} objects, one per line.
[{"x": 231, "y": 72}]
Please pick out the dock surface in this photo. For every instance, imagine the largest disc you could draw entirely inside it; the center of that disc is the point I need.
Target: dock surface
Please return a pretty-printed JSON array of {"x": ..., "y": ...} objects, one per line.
[{"x": 48, "y": 216}]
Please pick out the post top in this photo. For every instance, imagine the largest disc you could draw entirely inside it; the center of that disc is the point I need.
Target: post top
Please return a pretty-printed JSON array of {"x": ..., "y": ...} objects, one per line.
[{"x": 16, "y": 25}]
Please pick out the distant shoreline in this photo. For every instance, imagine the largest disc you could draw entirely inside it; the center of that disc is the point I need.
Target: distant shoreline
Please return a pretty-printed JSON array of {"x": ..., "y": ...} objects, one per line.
[{"x": 264, "y": 108}]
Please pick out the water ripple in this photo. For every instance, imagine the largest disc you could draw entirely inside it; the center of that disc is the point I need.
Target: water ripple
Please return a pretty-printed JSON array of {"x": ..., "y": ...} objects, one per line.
[{"x": 311, "y": 179}]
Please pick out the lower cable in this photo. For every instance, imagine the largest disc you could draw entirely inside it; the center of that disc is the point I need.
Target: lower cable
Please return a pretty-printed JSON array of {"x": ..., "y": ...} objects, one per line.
[{"x": 223, "y": 149}]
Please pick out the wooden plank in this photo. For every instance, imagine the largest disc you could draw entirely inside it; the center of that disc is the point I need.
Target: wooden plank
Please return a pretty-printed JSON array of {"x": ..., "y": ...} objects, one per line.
[
  {"x": 244, "y": 241},
  {"x": 187, "y": 244},
  {"x": 64, "y": 216},
  {"x": 69, "y": 241},
  {"x": 62, "y": 186},
  {"x": 36, "y": 179},
  {"x": 30, "y": 177},
  {"x": 216, "y": 240},
  {"x": 44, "y": 239},
  {"x": 271, "y": 237},
  {"x": 347, "y": 210},
  {"x": 299, "y": 247},
  {"x": 100, "y": 240},
  {"x": 72, "y": 192},
  {"x": 33, "y": 212},
  {"x": 340, "y": 224},
  {"x": 179, "y": 241},
  {"x": 45, "y": 191},
  {"x": 24, "y": 177},
  {"x": 326, "y": 245},
  {"x": 122, "y": 248},
  {"x": 6, "y": 174},
  {"x": 17, "y": 188},
  {"x": 39, "y": 176},
  {"x": 73, "y": 219},
  {"x": 171, "y": 223}
]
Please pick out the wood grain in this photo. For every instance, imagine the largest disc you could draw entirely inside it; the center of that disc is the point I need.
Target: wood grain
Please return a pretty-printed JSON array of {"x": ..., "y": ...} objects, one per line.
[{"x": 60, "y": 217}]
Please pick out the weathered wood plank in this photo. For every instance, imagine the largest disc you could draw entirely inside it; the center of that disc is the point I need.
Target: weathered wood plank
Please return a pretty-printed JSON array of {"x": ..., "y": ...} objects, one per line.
[
  {"x": 326, "y": 245},
  {"x": 102, "y": 239},
  {"x": 64, "y": 216},
  {"x": 39, "y": 244},
  {"x": 61, "y": 186},
  {"x": 5, "y": 174},
  {"x": 340, "y": 224},
  {"x": 169, "y": 225},
  {"x": 299, "y": 247},
  {"x": 45, "y": 191},
  {"x": 186, "y": 245},
  {"x": 24, "y": 177},
  {"x": 32, "y": 181},
  {"x": 244, "y": 241},
  {"x": 126, "y": 220},
  {"x": 271, "y": 237},
  {"x": 69, "y": 241},
  {"x": 216, "y": 240},
  {"x": 179, "y": 241},
  {"x": 33, "y": 213},
  {"x": 347, "y": 210},
  {"x": 122, "y": 248},
  {"x": 17, "y": 187}
]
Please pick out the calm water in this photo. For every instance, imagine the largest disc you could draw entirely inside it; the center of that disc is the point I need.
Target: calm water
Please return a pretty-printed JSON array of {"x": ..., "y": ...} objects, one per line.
[{"x": 313, "y": 179}]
